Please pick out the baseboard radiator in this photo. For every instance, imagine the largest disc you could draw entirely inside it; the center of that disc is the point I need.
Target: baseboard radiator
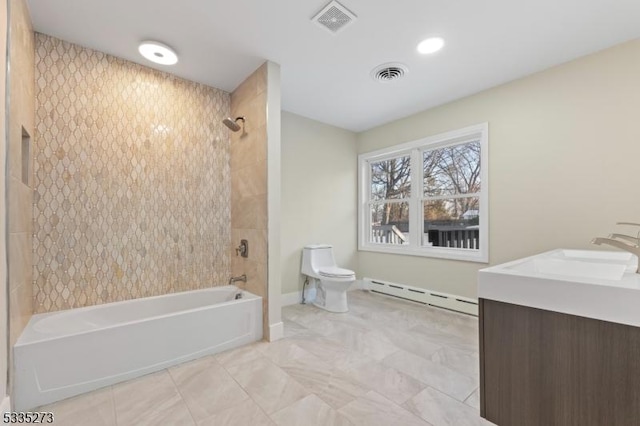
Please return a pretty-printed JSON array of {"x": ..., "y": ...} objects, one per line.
[{"x": 424, "y": 296}]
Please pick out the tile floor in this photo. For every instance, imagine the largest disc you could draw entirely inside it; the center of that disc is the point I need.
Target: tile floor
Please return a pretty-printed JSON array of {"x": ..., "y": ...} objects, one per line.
[{"x": 386, "y": 362}]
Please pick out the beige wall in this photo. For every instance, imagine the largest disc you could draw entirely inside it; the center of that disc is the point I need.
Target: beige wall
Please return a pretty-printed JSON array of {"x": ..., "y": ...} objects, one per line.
[
  {"x": 249, "y": 184},
  {"x": 319, "y": 177},
  {"x": 21, "y": 115},
  {"x": 564, "y": 149},
  {"x": 131, "y": 177}
]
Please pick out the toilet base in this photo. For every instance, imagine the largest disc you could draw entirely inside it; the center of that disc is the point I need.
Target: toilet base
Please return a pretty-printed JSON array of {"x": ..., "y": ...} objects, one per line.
[
  {"x": 330, "y": 310},
  {"x": 331, "y": 300}
]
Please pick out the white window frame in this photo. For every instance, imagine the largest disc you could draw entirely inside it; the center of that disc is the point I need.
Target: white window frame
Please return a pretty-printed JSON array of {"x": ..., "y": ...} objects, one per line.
[{"x": 479, "y": 132}]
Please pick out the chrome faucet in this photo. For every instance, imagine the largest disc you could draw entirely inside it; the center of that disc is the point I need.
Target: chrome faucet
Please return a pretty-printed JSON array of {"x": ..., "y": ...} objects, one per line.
[
  {"x": 634, "y": 240},
  {"x": 242, "y": 278},
  {"x": 631, "y": 248}
]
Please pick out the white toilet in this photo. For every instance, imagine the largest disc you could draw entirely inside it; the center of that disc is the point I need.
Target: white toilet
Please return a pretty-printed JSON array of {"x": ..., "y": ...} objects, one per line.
[{"x": 330, "y": 281}]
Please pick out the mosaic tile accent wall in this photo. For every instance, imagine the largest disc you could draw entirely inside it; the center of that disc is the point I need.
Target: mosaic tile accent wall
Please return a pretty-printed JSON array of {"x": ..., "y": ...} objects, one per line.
[{"x": 132, "y": 182}]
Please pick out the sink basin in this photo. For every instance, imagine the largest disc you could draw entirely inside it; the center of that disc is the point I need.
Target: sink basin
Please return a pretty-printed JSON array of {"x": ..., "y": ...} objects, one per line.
[
  {"x": 594, "y": 284},
  {"x": 593, "y": 255},
  {"x": 581, "y": 269}
]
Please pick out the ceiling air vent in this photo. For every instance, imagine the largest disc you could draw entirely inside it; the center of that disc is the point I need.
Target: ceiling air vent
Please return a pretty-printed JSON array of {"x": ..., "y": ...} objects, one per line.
[
  {"x": 389, "y": 72},
  {"x": 334, "y": 17}
]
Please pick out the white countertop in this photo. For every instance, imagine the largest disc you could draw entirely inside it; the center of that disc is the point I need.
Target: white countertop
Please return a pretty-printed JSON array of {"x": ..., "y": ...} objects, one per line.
[{"x": 588, "y": 283}]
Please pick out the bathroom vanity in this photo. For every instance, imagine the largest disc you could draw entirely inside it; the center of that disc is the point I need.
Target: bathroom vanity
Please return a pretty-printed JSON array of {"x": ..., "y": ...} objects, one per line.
[{"x": 560, "y": 340}]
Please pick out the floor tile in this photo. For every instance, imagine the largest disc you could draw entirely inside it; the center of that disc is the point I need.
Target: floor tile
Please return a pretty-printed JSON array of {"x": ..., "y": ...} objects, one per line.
[
  {"x": 287, "y": 352},
  {"x": 94, "y": 408},
  {"x": 387, "y": 381},
  {"x": 302, "y": 314},
  {"x": 330, "y": 384},
  {"x": 269, "y": 386},
  {"x": 329, "y": 351},
  {"x": 206, "y": 387},
  {"x": 370, "y": 343},
  {"x": 438, "y": 376},
  {"x": 310, "y": 411},
  {"x": 373, "y": 409},
  {"x": 150, "y": 400},
  {"x": 238, "y": 356},
  {"x": 467, "y": 363},
  {"x": 291, "y": 328},
  {"x": 442, "y": 410},
  {"x": 386, "y": 317},
  {"x": 443, "y": 337},
  {"x": 410, "y": 341},
  {"x": 246, "y": 414},
  {"x": 474, "y": 400},
  {"x": 326, "y": 325}
]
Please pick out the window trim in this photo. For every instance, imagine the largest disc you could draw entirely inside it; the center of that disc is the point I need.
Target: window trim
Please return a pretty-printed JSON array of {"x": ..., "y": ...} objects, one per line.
[{"x": 415, "y": 149}]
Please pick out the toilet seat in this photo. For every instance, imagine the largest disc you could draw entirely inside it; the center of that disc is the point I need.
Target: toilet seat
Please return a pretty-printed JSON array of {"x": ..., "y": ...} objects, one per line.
[{"x": 335, "y": 272}]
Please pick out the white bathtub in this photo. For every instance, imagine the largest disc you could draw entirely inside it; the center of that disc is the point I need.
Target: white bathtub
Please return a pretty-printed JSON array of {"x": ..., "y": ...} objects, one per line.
[{"x": 66, "y": 353}]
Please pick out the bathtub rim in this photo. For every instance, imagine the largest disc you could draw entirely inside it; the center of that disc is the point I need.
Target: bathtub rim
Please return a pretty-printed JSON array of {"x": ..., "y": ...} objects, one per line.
[{"x": 246, "y": 298}]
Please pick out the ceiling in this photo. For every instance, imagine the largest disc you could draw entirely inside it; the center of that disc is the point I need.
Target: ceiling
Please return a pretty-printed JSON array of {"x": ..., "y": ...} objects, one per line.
[{"x": 326, "y": 77}]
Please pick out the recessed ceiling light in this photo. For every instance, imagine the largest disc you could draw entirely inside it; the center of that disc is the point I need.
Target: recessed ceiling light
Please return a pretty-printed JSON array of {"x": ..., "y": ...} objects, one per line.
[
  {"x": 158, "y": 52},
  {"x": 430, "y": 45}
]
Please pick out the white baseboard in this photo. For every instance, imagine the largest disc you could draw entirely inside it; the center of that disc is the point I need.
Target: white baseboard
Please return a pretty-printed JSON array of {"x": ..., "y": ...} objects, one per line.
[
  {"x": 425, "y": 296},
  {"x": 291, "y": 298},
  {"x": 295, "y": 297},
  {"x": 276, "y": 331},
  {"x": 5, "y": 406}
]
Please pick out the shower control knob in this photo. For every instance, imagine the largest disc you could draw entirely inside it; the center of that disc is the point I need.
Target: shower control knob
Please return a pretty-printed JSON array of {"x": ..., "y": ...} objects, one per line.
[{"x": 243, "y": 249}]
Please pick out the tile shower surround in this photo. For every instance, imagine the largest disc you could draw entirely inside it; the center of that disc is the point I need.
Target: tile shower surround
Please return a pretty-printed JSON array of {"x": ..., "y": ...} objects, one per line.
[{"x": 131, "y": 179}]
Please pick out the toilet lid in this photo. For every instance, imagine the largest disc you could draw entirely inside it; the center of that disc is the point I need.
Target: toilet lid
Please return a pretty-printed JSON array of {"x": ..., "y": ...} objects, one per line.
[{"x": 335, "y": 272}]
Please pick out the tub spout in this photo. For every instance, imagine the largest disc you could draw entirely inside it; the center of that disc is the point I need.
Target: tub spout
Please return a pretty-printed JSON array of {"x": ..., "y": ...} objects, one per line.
[
  {"x": 631, "y": 248},
  {"x": 242, "y": 278}
]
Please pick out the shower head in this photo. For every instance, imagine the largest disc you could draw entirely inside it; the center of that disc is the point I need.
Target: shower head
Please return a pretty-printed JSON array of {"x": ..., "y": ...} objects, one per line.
[{"x": 233, "y": 124}]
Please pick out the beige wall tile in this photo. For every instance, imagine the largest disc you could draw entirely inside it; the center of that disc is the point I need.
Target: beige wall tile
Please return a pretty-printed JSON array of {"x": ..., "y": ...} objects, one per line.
[
  {"x": 21, "y": 110},
  {"x": 21, "y": 310},
  {"x": 258, "y": 111},
  {"x": 20, "y": 206},
  {"x": 243, "y": 150},
  {"x": 246, "y": 90},
  {"x": 261, "y": 79},
  {"x": 261, "y": 246},
  {"x": 21, "y": 115},
  {"x": 249, "y": 183},
  {"x": 261, "y": 148},
  {"x": 250, "y": 213},
  {"x": 19, "y": 260}
]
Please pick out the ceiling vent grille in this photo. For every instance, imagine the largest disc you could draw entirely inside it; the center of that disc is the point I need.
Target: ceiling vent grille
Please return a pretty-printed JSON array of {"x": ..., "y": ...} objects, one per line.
[
  {"x": 389, "y": 72},
  {"x": 334, "y": 17}
]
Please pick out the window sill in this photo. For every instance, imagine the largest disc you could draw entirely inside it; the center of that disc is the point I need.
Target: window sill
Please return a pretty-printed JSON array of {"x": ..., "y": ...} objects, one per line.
[{"x": 436, "y": 253}]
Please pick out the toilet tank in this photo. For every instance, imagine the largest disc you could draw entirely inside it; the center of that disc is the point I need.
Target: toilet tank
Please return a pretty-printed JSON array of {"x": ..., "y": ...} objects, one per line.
[{"x": 316, "y": 256}]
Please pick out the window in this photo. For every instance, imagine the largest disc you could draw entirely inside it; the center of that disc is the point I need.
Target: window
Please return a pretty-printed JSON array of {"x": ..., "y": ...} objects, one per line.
[{"x": 428, "y": 197}]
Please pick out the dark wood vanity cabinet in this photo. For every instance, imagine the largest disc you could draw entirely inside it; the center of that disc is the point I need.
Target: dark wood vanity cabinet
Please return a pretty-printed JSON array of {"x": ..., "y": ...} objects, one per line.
[{"x": 543, "y": 368}]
